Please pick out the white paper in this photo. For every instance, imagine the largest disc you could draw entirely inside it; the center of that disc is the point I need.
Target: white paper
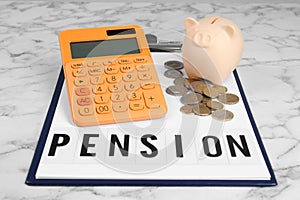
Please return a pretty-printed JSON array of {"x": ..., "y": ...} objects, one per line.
[{"x": 68, "y": 164}]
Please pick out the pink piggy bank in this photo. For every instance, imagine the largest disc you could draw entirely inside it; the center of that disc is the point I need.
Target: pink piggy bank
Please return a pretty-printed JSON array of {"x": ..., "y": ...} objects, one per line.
[{"x": 212, "y": 48}]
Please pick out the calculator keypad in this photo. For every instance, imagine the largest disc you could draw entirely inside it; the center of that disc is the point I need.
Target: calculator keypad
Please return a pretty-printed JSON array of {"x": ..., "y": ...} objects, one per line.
[{"x": 115, "y": 90}]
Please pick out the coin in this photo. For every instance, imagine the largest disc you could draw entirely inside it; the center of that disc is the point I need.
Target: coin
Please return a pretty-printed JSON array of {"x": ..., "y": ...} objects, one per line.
[
  {"x": 198, "y": 86},
  {"x": 228, "y": 98},
  {"x": 214, "y": 105},
  {"x": 176, "y": 90},
  {"x": 201, "y": 109},
  {"x": 220, "y": 88},
  {"x": 172, "y": 73},
  {"x": 210, "y": 92},
  {"x": 173, "y": 64},
  {"x": 180, "y": 81},
  {"x": 186, "y": 109},
  {"x": 191, "y": 98},
  {"x": 222, "y": 115},
  {"x": 206, "y": 99}
]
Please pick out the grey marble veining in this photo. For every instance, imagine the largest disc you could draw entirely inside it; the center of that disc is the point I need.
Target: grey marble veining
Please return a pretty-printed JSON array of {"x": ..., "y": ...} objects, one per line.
[{"x": 30, "y": 63}]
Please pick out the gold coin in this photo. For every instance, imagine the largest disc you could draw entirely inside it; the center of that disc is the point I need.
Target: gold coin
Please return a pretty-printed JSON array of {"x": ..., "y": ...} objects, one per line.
[
  {"x": 210, "y": 92},
  {"x": 191, "y": 98},
  {"x": 187, "y": 109},
  {"x": 228, "y": 98},
  {"x": 220, "y": 88},
  {"x": 176, "y": 90},
  {"x": 222, "y": 115},
  {"x": 201, "y": 109},
  {"x": 206, "y": 99},
  {"x": 198, "y": 86},
  {"x": 214, "y": 105}
]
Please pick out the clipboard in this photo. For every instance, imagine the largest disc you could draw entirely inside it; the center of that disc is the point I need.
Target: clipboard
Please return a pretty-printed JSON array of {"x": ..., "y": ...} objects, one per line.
[{"x": 34, "y": 177}]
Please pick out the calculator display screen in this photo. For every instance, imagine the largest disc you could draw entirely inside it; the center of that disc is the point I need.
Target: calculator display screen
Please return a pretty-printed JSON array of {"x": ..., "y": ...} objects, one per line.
[{"x": 104, "y": 48}]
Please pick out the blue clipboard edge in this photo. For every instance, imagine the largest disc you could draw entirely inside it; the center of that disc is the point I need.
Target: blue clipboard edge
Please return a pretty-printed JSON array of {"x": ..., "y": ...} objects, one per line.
[{"x": 32, "y": 181}]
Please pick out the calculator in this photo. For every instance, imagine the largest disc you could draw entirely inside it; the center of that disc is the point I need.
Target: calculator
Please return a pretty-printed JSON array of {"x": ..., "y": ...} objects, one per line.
[{"x": 110, "y": 75}]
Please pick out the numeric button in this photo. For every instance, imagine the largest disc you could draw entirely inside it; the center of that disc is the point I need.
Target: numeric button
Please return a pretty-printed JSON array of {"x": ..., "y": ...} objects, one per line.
[
  {"x": 86, "y": 110},
  {"x": 103, "y": 109}
]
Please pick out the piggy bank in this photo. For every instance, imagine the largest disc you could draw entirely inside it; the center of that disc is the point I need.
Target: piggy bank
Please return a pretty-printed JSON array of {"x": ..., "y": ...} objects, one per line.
[{"x": 212, "y": 48}]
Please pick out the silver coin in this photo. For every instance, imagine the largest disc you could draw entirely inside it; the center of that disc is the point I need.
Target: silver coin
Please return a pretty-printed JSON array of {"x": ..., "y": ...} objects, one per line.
[
  {"x": 222, "y": 115},
  {"x": 176, "y": 90},
  {"x": 228, "y": 98},
  {"x": 187, "y": 109},
  {"x": 214, "y": 105},
  {"x": 172, "y": 73},
  {"x": 180, "y": 81},
  {"x": 191, "y": 98},
  {"x": 201, "y": 109},
  {"x": 173, "y": 64},
  {"x": 210, "y": 92}
]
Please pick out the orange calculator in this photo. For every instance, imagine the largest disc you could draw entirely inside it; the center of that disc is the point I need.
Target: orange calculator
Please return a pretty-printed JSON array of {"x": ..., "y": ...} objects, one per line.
[{"x": 110, "y": 75}]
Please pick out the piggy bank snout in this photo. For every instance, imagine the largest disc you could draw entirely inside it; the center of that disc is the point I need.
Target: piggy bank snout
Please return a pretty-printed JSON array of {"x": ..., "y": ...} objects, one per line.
[{"x": 202, "y": 39}]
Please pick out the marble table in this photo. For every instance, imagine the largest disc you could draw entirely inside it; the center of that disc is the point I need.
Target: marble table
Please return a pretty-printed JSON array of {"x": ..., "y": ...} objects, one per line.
[{"x": 30, "y": 63}]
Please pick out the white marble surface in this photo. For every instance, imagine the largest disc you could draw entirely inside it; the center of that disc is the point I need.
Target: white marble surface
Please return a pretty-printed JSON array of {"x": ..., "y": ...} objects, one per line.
[{"x": 30, "y": 63}]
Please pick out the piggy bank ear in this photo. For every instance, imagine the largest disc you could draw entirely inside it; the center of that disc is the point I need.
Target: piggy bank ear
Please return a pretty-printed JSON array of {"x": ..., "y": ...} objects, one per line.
[
  {"x": 189, "y": 22},
  {"x": 230, "y": 30}
]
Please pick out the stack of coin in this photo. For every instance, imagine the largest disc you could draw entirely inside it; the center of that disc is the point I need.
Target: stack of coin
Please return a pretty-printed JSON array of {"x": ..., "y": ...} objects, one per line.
[{"x": 199, "y": 97}]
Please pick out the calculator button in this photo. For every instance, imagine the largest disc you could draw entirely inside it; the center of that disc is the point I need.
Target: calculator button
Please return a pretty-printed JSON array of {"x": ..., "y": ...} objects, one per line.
[
  {"x": 111, "y": 69},
  {"x": 79, "y": 72},
  {"x": 93, "y": 63},
  {"x": 87, "y": 110},
  {"x": 151, "y": 100},
  {"x": 126, "y": 68},
  {"x": 144, "y": 76},
  {"x": 84, "y": 101},
  {"x": 136, "y": 105},
  {"x": 103, "y": 109},
  {"x": 132, "y": 86},
  {"x": 97, "y": 80},
  {"x": 124, "y": 61},
  {"x": 114, "y": 78},
  {"x": 133, "y": 96},
  {"x": 80, "y": 81},
  {"x": 116, "y": 87},
  {"x": 129, "y": 77},
  {"x": 140, "y": 60},
  {"x": 76, "y": 65},
  {"x": 116, "y": 97},
  {"x": 147, "y": 85},
  {"x": 120, "y": 107},
  {"x": 104, "y": 98},
  {"x": 96, "y": 71},
  {"x": 109, "y": 62},
  {"x": 82, "y": 91},
  {"x": 142, "y": 68},
  {"x": 99, "y": 89}
]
